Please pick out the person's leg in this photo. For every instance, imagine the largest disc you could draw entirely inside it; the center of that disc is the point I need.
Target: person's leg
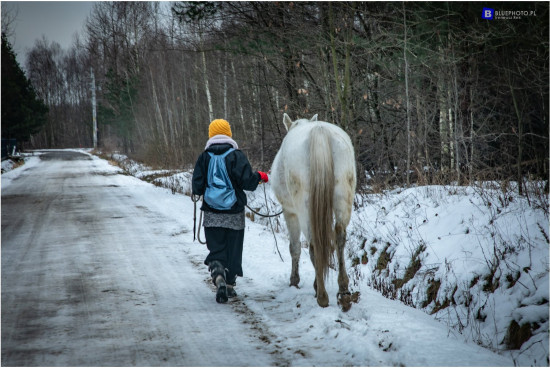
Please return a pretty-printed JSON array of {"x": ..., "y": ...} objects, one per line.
[
  {"x": 234, "y": 254},
  {"x": 216, "y": 241},
  {"x": 217, "y": 245}
]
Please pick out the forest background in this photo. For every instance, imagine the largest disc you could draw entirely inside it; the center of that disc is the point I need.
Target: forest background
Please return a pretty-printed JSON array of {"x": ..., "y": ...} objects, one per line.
[{"x": 429, "y": 92}]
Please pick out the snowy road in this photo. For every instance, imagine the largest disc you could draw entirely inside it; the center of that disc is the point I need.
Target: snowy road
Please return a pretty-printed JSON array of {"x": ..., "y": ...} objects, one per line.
[
  {"x": 100, "y": 269},
  {"x": 90, "y": 277}
]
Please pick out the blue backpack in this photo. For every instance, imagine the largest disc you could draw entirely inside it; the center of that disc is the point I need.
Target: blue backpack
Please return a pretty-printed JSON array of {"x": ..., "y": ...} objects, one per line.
[{"x": 219, "y": 193}]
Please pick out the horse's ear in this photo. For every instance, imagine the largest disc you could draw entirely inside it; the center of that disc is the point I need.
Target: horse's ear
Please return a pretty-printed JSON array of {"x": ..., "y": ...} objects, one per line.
[
  {"x": 287, "y": 121},
  {"x": 314, "y": 118}
]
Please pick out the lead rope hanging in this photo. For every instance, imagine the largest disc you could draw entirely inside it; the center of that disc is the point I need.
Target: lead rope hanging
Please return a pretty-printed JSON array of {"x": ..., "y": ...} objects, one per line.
[
  {"x": 196, "y": 234},
  {"x": 263, "y": 215},
  {"x": 271, "y": 224}
]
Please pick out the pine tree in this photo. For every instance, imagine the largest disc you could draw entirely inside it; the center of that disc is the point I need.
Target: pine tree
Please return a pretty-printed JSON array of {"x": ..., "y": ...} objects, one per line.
[{"x": 23, "y": 113}]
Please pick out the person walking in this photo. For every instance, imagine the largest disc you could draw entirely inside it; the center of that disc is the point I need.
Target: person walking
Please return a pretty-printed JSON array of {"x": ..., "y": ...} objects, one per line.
[{"x": 224, "y": 222}]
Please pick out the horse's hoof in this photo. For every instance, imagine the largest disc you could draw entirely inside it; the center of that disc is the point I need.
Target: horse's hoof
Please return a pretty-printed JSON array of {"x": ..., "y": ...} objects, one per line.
[
  {"x": 322, "y": 300},
  {"x": 295, "y": 283},
  {"x": 322, "y": 304},
  {"x": 346, "y": 299}
]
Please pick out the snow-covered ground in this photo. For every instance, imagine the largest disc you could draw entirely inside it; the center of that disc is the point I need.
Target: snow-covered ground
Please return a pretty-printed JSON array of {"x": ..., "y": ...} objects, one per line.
[
  {"x": 7, "y": 165},
  {"x": 460, "y": 236},
  {"x": 484, "y": 254}
]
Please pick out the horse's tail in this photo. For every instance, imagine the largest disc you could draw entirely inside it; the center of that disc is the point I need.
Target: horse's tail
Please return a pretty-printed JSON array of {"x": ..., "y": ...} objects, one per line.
[{"x": 321, "y": 174}]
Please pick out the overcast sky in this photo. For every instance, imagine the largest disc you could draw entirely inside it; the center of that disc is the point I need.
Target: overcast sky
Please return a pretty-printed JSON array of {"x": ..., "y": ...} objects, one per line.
[{"x": 57, "y": 20}]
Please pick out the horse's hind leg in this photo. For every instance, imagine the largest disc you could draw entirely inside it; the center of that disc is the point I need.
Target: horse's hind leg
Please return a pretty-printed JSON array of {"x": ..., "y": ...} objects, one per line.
[
  {"x": 343, "y": 280},
  {"x": 295, "y": 249},
  {"x": 319, "y": 282},
  {"x": 344, "y": 296},
  {"x": 320, "y": 291},
  {"x": 343, "y": 203}
]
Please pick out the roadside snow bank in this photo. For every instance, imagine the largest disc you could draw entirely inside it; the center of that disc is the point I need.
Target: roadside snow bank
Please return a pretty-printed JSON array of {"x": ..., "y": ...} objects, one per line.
[
  {"x": 475, "y": 259},
  {"x": 7, "y": 165},
  {"x": 12, "y": 172}
]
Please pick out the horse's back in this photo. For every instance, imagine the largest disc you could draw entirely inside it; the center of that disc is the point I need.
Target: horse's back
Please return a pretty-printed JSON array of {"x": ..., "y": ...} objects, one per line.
[
  {"x": 292, "y": 164},
  {"x": 296, "y": 145}
]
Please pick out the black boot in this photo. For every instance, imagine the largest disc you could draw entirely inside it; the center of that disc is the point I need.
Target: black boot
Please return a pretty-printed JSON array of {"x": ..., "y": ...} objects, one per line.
[
  {"x": 231, "y": 287},
  {"x": 217, "y": 271},
  {"x": 221, "y": 294},
  {"x": 231, "y": 293}
]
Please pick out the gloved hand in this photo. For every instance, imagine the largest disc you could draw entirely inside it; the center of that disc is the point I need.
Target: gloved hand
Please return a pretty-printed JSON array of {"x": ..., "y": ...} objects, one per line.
[{"x": 263, "y": 176}]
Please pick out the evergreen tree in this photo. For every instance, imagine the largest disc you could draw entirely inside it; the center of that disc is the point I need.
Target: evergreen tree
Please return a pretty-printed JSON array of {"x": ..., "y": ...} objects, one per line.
[
  {"x": 23, "y": 113},
  {"x": 116, "y": 110}
]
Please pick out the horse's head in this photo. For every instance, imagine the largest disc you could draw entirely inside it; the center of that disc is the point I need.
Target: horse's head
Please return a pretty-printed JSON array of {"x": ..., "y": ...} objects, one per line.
[{"x": 289, "y": 124}]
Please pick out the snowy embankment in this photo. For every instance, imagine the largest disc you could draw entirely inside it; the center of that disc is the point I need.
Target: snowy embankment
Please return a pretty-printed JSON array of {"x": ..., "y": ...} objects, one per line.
[
  {"x": 474, "y": 264},
  {"x": 475, "y": 259},
  {"x": 7, "y": 165}
]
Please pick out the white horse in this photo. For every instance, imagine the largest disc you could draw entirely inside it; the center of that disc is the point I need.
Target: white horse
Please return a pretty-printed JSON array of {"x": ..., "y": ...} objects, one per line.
[{"x": 313, "y": 177}]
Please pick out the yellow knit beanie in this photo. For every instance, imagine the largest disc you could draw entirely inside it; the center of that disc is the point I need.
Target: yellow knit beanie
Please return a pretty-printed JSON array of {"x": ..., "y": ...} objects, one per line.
[{"x": 219, "y": 126}]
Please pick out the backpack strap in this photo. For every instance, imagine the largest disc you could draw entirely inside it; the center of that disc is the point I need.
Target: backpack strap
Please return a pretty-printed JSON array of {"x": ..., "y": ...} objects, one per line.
[{"x": 223, "y": 155}]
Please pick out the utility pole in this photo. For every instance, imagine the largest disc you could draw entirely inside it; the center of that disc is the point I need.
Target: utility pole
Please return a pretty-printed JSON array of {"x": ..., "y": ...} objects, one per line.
[{"x": 94, "y": 108}]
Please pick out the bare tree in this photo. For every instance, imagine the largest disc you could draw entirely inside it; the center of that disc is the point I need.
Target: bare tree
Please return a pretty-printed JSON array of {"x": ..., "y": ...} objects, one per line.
[{"x": 424, "y": 89}]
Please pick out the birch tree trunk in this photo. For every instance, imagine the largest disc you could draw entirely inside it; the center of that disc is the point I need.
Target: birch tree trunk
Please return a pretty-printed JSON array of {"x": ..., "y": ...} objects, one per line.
[
  {"x": 206, "y": 87},
  {"x": 158, "y": 113},
  {"x": 519, "y": 116},
  {"x": 225, "y": 87},
  {"x": 457, "y": 125},
  {"x": 205, "y": 78},
  {"x": 239, "y": 100},
  {"x": 343, "y": 84},
  {"x": 442, "y": 98},
  {"x": 451, "y": 128},
  {"x": 407, "y": 96},
  {"x": 185, "y": 115},
  {"x": 260, "y": 120}
]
